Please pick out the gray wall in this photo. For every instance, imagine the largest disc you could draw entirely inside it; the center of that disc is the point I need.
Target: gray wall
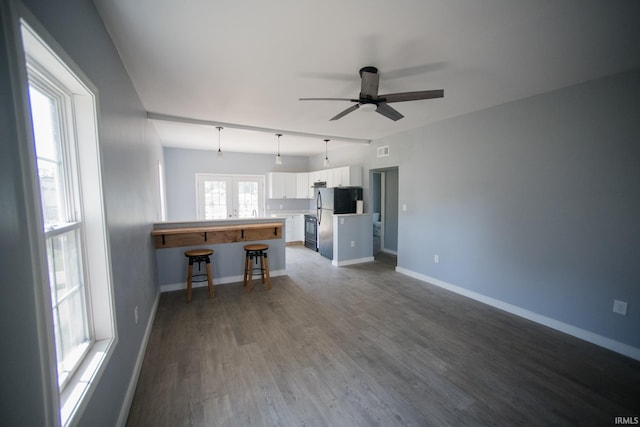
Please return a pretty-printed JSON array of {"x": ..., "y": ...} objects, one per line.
[
  {"x": 352, "y": 228},
  {"x": 182, "y": 165},
  {"x": 130, "y": 152},
  {"x": 534, "y": 203}
]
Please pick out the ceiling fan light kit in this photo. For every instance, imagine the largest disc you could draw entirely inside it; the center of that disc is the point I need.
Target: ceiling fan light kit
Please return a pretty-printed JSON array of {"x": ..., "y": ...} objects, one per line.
[{"x": 370, "y": 100}]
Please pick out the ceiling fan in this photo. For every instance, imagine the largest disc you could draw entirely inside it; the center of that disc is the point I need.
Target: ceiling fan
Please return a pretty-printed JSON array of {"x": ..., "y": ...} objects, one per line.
[{"x": 369, "y": 99}]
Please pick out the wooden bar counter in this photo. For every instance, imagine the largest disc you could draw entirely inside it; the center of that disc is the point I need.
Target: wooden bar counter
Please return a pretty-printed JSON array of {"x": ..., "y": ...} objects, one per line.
[
  {"x": 215, "y": 234},
  {"x": 226, "y": 237}
]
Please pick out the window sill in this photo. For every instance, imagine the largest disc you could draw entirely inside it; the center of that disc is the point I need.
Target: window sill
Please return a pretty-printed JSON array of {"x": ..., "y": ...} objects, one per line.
[{"x": 75, "y": 395}]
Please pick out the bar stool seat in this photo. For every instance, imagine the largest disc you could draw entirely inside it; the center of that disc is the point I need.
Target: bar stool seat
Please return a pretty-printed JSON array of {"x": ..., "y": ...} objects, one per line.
[
  {"x": 256, "y": 251},
  {"x": 199, "y": 256}
]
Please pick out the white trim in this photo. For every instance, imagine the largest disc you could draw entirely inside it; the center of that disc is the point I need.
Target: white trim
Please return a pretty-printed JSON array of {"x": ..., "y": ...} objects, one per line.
[
  {"x": 582, "y": 334},
  {"x": 133, "y": 382},
  {"x": 181, "y": 286},
  {"x": 389, "y": 251},
  {"x": 352, "y": 261}
]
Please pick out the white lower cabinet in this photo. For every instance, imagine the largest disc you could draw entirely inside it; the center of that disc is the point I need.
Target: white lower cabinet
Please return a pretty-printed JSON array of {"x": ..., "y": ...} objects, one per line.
[
  {"x": 294, "y": 228},
  {"x": 298, "y": 228}
]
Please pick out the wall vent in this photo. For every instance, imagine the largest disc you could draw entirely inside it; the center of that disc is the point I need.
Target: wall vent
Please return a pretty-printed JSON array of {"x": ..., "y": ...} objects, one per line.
[{"x": 383, "y": 151}]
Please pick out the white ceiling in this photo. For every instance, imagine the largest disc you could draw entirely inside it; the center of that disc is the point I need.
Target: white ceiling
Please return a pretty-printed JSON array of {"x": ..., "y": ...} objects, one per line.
[{"x": 246, "y": 63}]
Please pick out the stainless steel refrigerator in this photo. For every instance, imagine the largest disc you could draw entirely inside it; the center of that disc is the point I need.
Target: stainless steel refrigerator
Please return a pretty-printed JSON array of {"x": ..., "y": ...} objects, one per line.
[{"x": 329, "y": 202}]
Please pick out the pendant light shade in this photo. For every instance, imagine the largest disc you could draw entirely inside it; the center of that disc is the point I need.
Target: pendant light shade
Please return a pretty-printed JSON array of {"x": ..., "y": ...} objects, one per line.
[
  {"x": 219, "y": 154},
  {"x": 326, "y": 152},
  {"x": 278, "y": 158}
]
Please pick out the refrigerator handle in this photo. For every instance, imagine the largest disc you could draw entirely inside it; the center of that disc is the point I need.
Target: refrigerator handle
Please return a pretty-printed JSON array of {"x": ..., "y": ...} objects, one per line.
[{"x": 319, "y": 207}]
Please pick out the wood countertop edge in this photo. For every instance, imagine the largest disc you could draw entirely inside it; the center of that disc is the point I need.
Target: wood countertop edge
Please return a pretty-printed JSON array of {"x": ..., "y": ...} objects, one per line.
[{"x": 213, "y": 228}]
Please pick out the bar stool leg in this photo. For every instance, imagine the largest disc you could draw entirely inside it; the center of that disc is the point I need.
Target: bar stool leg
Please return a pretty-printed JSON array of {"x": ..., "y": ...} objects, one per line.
[
  {"x": 246, "y": 268},
  {"x": 250, "y": 279},
  {"x": 262, "y": 267},
  {"x": 266, "y": 269},
  {"x": 210, "y": 279},
  {"x": 189, "y": 280}
]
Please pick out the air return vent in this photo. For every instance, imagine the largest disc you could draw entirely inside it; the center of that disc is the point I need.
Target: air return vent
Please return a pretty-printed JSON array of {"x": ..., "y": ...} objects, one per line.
[{"x": 383, "y": 151}]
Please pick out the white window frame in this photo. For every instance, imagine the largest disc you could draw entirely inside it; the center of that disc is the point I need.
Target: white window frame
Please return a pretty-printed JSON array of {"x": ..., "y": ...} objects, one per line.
[
  {"x": 232, "y": 201},
  {"x": 46, "y": 60}
]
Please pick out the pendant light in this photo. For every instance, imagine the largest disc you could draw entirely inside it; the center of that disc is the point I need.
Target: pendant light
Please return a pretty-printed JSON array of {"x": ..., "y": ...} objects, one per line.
[
  {"x": 278, "y": 158},
  {"x": 219, "y": 151},
  {"x": 326, "y": 152}
]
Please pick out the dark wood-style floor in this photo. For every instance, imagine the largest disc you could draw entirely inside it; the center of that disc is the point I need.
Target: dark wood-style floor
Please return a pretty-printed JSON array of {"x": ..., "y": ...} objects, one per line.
[{"x": 362, "y": 346}]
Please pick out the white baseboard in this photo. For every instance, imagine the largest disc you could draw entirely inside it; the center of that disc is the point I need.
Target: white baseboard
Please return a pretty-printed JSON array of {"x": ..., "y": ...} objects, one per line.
[
  {"x": 216, "y": 281},
  {"x": 582, "y": 334},
  {"x": 131, "y": 389},
  {"x": 352, "y": 261},
  {"x": 389, "y": 251}
]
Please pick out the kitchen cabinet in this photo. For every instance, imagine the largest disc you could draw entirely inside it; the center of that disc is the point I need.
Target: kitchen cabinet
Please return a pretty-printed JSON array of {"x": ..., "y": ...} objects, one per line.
[
  {"x": 282, "y": 185},
  {"x": 317, "y": 176},
  {"x": 294, "y": 227},
  {"x": 287, "y": 185},
  {"x": 298, "y": 228},
  {"x": 346, "y": 176},
  {"x": 303, "y": 187}
]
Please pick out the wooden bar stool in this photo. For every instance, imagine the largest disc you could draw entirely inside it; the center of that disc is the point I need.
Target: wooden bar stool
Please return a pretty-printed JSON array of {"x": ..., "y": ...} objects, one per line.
[
  {"x": 199, "y": 256},
  {"x": 256, "y": 251}
]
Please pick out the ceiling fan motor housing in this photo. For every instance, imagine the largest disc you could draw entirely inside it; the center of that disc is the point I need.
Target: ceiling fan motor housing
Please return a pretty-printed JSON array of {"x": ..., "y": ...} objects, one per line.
[{"x": 368, "y": 69}]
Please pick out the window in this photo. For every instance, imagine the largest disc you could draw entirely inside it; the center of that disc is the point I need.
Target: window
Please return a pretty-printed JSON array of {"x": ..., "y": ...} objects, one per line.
[
  {"x": 163, "y": 205},
  {"x": 63, "y": 112},
  {"x": 229, "y": 196},
  {"x": 55, "y": 154}
]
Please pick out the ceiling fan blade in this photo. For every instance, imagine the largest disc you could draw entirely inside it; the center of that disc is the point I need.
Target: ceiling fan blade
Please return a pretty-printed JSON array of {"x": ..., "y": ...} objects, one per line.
[
  {"x": 389, "y": 112},
  {"x": 412, "y": 96},
  {"x": 369, "y": 85},
  {"x": 328, "y": 99},
  {"x": 345, "y": 112}
]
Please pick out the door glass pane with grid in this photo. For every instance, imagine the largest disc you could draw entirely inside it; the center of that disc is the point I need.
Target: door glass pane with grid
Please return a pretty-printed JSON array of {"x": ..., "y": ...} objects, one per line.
[
  {"x": 235, "y": 196},
  {"x": 216, "y": 196},
  {"x": 248, "y": 197}
]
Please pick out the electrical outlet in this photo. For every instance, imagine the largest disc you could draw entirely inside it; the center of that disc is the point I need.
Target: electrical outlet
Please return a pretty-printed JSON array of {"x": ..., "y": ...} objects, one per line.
[
  {"x": 135, "y": 314},
  {"x": 620, "y": 307},
  {"x": 404, "y": 207},
  {"x": 341, "y": 221},
  {"x": 353, "y": 244},
  {"x": 436, "y": 258}
]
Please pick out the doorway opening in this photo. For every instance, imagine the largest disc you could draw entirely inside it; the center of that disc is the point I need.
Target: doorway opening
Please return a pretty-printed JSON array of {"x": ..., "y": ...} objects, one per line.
[{"x": 384, "y": 188}]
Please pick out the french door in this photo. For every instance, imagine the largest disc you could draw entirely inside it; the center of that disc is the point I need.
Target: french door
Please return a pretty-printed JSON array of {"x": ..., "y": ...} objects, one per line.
[{"x": 229, "y": 196}]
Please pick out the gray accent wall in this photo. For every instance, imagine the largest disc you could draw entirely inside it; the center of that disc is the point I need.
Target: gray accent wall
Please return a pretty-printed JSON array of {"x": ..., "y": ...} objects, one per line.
[
  {"x": 130, "y": 152},
  {"x": 534, "y": 203}
]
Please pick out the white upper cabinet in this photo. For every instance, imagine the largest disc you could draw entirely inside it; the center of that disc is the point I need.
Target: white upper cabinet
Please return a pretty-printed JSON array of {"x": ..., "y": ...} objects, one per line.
[
  {"x": 303, "y": 186},
  {"x": 346, "y": 176},
  {"x": 287, "y": 185},
  {"x": 282, "y": 185}
]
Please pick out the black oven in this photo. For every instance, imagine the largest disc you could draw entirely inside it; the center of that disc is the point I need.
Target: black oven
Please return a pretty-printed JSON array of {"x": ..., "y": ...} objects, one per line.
[{"x": 311, "y": 232}]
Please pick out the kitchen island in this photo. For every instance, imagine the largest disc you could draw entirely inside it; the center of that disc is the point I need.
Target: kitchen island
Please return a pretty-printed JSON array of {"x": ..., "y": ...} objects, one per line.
[{"x": 226, "y": 237}]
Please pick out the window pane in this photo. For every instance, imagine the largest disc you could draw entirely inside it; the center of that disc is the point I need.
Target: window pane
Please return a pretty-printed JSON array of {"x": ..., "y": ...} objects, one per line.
[
  {"x": 247, "y": 199},
  {"x": 68, "y": 298},
  {"x": 46, "y": 128},
  {"x": 215, "y": 199}
]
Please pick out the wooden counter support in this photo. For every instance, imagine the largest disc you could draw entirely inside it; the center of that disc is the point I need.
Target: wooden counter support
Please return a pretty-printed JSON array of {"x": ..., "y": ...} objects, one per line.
[{"x": 191, "y": 236}]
